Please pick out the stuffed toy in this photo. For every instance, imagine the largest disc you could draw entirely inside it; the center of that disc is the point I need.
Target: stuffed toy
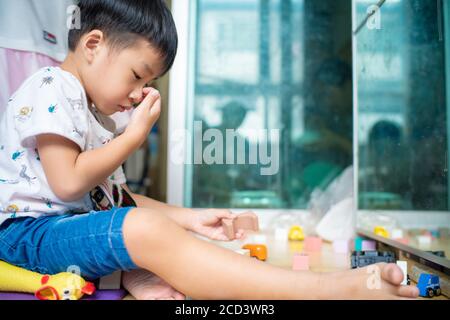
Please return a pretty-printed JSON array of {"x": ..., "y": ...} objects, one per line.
[{"x": 61, "y": 286}]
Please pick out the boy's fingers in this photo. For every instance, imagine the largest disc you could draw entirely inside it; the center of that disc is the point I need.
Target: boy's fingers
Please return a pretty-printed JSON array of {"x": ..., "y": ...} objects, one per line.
[
  {"x": 391, "y": 273},
  {"x": 408, "y": 291},
  {"x": 151, "y": 97}
]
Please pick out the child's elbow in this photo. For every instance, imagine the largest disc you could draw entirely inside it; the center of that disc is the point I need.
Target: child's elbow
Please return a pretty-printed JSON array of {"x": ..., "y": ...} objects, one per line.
[{"x": 68, "y": 193}]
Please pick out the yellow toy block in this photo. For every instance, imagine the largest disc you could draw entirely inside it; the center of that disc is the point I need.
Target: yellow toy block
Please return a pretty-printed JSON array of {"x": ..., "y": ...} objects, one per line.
[
  {"x": 296, "y": 233},
  {"x": 381, "y": 231}
]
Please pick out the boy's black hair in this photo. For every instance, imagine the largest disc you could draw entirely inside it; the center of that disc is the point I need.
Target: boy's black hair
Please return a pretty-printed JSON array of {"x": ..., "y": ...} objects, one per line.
[{"x": 124, "y": 21}]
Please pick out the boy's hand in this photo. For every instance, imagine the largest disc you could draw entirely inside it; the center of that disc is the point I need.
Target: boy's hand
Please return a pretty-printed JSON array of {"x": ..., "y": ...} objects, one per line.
[
  {"x": 144, "y": 116},
  {"x": 208, "y": 223}
]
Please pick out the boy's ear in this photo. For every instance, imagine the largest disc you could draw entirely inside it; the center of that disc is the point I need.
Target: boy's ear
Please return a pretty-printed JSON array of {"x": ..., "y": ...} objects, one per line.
[{"x": 92, "y": 42}]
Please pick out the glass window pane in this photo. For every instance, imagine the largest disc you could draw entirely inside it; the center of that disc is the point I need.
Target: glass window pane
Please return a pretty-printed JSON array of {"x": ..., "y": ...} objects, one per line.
[
  {"x": 273, "y": 88},
  {"x": 402, "y": 130}
]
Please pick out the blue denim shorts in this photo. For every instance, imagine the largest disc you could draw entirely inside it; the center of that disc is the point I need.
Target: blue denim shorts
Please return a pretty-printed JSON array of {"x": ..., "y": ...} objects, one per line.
[{"x": 92, "y": 242}]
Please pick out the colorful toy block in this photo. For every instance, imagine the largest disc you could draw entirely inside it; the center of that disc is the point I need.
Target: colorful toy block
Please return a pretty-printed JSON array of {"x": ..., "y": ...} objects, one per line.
[
  {"x": 381, "y": 231},
  {"x": 404, "y": 266},
  {"x": 300, "y": 262},
  {"x": 245, "y": 221},
  {"x": 259, "y": 251},
  {"x": 404, "y": 241},
  {"x": 368, "y": 245},
  {"x": 435, "y": 234},
  {"x": 296, "y": 233},
  {"x": 424, "y": 241},
  {"x": 358, "y": 243},
  {"x": 341, "y": 246},
  {"x": 397, "y": 233},
  {"x": 313, "y": 244}
]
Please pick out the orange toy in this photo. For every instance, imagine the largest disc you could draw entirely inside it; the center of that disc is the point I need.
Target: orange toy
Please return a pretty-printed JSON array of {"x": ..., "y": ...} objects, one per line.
[{"x": 259, "y": 251}]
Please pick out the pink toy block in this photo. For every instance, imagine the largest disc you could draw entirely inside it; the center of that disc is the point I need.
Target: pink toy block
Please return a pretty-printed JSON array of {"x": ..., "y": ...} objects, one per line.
[
  {"x": 341, "y": 246},
  {"x": 300, "y": 262},
  {"x": 404, "y": 241},
  {"x": 369, "y": 245},
  {"x": 245, "y": 221},
  {"x": 313, "y": 244}
]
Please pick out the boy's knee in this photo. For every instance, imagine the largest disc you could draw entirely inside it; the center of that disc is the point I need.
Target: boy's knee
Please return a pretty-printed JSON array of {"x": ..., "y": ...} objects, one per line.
[{"x": 140, "y": 223}]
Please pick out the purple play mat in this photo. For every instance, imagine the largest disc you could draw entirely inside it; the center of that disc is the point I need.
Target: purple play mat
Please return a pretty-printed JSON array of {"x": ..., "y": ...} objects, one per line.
[{"x": 98, "y": 295}]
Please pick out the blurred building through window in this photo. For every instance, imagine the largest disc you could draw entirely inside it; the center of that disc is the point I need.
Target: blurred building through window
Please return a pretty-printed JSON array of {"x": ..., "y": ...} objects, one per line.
[
  {"x": 272, "y": 64},
  {"x": 402, "y": 123}
]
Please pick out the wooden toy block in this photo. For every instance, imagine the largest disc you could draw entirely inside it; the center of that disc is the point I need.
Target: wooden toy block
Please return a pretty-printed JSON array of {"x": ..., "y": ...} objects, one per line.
[
  {"x": 404, "y": 241},
  {"x": 444, "y": 233},
  {"x": 368, "y": 245},
  {"x": 427, "y": 233},
  {"x": 397, "y": 233},
  {"x": 245, "y": 221},
  {"x": 404, "y": 266},
  {"x": 341, "y": 246},
  {"x": 296, "y": 233},
  {"x": 259, "y": 251},
  {"x": 435, "y": 234},
  {"x": 313, "y": 244},
  {"x": 358, "y": 243},
  {"x": 381, "y": 231},
  {"x": 423, "y": 241},
  {"x": 300, "y": 262}
]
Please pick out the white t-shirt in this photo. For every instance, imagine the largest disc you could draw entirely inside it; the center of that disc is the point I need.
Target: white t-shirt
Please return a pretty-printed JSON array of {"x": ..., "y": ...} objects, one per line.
[{"x": 52, "y": 101}]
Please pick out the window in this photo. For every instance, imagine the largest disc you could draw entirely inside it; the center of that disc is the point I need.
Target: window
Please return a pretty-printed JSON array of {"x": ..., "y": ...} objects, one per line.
[
  {"x": 402, "y": 110},
  {"x": 270, "y": 113}
]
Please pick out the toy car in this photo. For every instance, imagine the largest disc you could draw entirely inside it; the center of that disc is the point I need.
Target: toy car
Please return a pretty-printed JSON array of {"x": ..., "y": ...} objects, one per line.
[
  {"x": 361, "y": 259},
  {"x": 296, "y": 233},
  {"x": 428, "y": 285},
  {"x": 259, "y": 251}
]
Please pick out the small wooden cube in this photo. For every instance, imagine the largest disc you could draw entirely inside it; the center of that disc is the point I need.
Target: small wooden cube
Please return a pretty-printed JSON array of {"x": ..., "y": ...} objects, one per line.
[
  {"x": 404, "y": 266},
  {"x": 245, "y": 221},
  {"x": 368, "y": 245},
  {"x": 341, "y": 246},
  {"x": 313, "y": 244}
]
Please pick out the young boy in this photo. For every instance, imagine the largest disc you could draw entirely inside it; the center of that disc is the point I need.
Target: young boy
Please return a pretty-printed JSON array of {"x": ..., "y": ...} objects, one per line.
[{"x": 55, "y": 149}]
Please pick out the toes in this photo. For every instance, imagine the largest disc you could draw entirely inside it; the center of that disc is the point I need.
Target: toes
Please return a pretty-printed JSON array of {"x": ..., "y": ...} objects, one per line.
[{"x": 392, "y": 273}]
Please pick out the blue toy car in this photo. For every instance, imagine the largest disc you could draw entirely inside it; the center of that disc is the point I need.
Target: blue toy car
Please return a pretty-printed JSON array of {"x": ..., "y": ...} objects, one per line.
[{"x": 428, "y": 285}]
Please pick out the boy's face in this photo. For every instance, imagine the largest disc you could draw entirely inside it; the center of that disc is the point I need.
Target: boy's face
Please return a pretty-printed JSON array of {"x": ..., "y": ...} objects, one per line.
[{"x": 114, "y": 80}]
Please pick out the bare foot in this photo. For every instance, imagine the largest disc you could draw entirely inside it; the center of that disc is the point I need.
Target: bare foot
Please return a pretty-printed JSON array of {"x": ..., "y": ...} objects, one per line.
[
  {"x": 144, "y": 285},
  {"x": 379, "y": 281}
]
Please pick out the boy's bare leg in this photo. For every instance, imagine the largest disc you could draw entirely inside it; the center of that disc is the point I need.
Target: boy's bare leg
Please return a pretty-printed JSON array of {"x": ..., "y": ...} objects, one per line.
[{"x": 202, "y": 270}]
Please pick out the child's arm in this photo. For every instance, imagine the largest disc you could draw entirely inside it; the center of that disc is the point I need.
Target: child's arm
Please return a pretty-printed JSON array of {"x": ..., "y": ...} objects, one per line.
[{"x": 72, "y": 173}]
